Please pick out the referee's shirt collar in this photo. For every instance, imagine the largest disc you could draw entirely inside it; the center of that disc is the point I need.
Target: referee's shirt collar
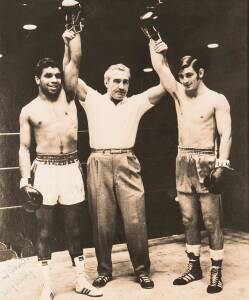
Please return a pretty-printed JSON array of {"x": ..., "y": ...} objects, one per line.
[{"x": 108, "y": 98}]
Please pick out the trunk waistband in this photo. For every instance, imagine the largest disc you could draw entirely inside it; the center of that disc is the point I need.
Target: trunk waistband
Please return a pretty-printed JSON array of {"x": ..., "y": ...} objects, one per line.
[
  {"x": 112, "y": 151},
  {"x": 57, "y": 159},
  {"x": 195, "y": 150}
]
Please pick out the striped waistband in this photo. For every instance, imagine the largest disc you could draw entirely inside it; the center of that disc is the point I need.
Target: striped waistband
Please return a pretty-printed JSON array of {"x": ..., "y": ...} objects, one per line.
[
  {"x": 195, "y": 150},
  {"x": 112, "y": 151},
  {"x": 57, "y": 159}
]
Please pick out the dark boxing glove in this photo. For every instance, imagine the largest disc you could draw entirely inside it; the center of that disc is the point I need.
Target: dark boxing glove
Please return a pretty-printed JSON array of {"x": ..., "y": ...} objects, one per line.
[
  {"x": 218, "y": 177},
  {"x": 147, "y": 23},
  {"x": 74, "y": 17},
  {"x": 148, "y": 19},
  {"x": 32, "y": 198}
]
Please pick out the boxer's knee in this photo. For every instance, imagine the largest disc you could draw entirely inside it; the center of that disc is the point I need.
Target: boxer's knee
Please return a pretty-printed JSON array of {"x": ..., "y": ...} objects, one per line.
[
  {"x": 75, "y": 232},
  {"x": 211, "y": 224},
  {"x": 189, "y": 221},
  {"x": 43, "y": 246},
  {"x": 44, "y": 235}
]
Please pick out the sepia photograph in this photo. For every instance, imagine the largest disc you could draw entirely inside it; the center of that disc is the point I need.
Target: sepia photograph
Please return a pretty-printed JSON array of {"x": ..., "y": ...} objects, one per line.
[{"x": 124, "y": 150}]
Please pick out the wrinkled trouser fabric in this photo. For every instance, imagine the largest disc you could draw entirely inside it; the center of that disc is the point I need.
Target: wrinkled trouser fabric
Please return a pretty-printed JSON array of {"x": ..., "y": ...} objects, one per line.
[{"x": 114, "y": 181}]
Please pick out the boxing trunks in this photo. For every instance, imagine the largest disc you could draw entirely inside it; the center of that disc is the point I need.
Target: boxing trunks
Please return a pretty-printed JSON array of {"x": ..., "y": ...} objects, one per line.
[
  {"x": 192, "y": 167},
  {"x": 59, "y": 178}
]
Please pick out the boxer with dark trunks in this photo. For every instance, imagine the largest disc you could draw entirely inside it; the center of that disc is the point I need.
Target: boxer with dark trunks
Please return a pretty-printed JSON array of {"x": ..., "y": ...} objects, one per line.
[{"x": 202, "y": 115}]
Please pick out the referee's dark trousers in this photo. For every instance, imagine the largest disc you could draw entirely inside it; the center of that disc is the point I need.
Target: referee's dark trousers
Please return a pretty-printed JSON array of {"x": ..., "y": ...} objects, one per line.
[{"x": 114, "y": 180}]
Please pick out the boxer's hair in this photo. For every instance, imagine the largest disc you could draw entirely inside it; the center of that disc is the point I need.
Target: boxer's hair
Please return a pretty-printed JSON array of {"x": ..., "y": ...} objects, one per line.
[
  {"x": 45, "y": 63},
  {"x": 190, "y": 61},
  {"x": 119, "y": 67}
]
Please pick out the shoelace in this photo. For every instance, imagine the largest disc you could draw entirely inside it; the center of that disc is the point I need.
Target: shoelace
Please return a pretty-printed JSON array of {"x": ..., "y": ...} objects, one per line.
[
  {"x": 144, "y": 278},
  {"x": 214, "y": 278},
  {"x": 189, "y": 269},
  {"x": 103, "y": 277}
]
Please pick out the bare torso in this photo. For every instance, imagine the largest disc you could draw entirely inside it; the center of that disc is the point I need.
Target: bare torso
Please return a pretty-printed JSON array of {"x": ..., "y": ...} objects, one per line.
[
  {"x": 196, "y": 119},
  {"x": 55, "y": 125}
]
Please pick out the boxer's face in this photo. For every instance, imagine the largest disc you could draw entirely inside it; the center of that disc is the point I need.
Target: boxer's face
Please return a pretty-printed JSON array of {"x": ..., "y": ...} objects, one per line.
[
  {"x": 117, "y": 85},
  {"x": 190, "y": 79},
  {"x": 50, "y": 81}
]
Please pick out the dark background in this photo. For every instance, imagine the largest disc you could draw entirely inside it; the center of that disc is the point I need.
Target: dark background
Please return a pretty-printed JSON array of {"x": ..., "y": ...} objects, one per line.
[{"x": 112, "y": 35}]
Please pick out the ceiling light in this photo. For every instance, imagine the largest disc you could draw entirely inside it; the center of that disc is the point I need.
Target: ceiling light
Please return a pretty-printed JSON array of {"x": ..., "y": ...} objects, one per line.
[
  {"x": 1, "y": 55},
  {"x": 213, "y": 45},
  {"x": 148, "y": 70},
  {"x": 29, "y": 27},
  {"x": 25, "y": 2}
]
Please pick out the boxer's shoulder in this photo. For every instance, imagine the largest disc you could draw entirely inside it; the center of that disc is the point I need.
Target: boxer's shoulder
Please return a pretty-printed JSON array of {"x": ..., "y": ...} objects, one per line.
[
  {"x": 217, "y": 99},
  {"x": 30, "y": 107}
]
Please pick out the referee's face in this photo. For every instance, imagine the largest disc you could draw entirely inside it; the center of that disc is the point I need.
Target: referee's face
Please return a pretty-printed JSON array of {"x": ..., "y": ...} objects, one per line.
[{"x": 117, "y": 85}]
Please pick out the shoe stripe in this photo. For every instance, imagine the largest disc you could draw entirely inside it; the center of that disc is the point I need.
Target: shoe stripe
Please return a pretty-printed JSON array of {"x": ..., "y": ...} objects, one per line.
[
  {"x": 187, "y": 278},
  {"x": 86, "y": 291},
  {"x": 90, "y": 292}
]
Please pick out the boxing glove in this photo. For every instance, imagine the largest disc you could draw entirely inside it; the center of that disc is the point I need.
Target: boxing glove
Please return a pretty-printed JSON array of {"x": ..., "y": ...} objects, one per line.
[
  {"x": 74, "y": 16},
  {"x": 31, "y": 198}
]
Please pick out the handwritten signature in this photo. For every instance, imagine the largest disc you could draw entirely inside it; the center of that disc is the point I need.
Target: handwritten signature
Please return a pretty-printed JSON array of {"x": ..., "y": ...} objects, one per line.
[{"x": 14, "y": 274}]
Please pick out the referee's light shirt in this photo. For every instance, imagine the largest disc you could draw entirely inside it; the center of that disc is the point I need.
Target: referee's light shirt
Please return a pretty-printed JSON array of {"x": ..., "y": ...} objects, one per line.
[{"x": 114, "y": 126}]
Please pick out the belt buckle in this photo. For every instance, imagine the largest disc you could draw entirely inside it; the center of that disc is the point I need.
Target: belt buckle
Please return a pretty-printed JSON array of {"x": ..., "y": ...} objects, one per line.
[{"x": 116, "y": 151}]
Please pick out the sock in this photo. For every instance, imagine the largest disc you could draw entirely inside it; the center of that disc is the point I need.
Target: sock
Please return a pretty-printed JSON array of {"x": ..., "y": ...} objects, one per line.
[
  {"x": 216, "y": 255},
  {"x": 45, "y": 266},
  {"x": 195, "y": 249},
  {"x": 79, "y": 265}
]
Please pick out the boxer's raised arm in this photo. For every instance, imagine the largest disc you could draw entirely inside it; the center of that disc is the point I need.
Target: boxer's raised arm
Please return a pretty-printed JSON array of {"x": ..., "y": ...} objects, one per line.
[
  {"x": 162, "y": 68},
  {"x": 25, "y": 140},
  {"x": 71, "y": 65},
  {"x": 71, "y": 61},
  {"x": 66, "y": 57}
]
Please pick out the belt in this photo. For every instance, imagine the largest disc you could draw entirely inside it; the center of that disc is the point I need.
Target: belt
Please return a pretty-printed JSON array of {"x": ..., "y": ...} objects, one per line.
[
  {"x": 112, "y": 151},
  {"x": 195, "y": 150},
  {"x": 57, "y": 159}
]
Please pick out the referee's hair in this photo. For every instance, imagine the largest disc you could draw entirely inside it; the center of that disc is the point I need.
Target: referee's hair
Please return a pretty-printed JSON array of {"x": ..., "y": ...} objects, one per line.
[{"x": 119, "y": 67}]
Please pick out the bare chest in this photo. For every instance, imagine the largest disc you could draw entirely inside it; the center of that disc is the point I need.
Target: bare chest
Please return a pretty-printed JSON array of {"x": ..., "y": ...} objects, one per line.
[
  {"x": 195, "y": 110},
  {"x": 48, "y": 117}
]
